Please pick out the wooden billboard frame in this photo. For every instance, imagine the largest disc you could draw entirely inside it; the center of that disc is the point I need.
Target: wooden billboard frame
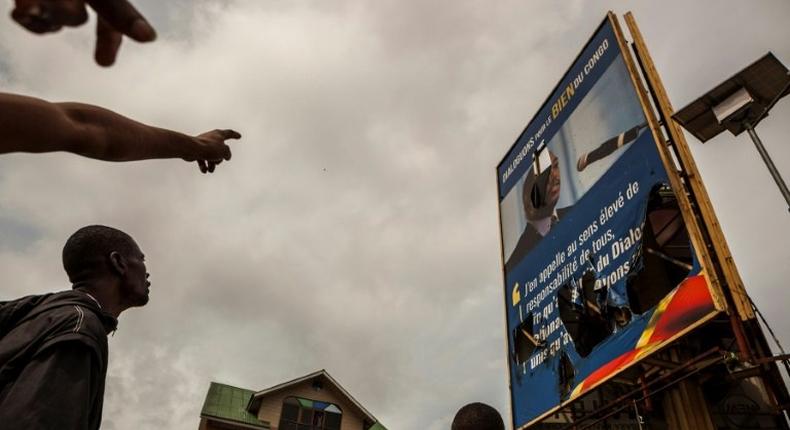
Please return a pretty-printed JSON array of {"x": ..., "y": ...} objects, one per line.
[
  {"x": 674, "y": 176},
  {"x": 727, "y": 277}
]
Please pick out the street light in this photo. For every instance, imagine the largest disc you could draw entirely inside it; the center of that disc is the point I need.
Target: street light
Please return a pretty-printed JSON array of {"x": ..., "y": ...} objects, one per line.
[{"x": 739, "y": 104}]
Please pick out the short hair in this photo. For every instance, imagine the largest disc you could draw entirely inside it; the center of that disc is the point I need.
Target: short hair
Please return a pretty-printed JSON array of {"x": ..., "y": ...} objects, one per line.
[
  {"x": 478, "y": 416},
  {"x": 86, "y": 252}
]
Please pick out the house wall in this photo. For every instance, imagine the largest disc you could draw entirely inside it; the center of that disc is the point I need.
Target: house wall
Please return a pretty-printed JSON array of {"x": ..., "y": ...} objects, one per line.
[
  {"x": 272, "y": 405},
  {"x": 209, "y": 425},
  {"x": 214, "y": 425}
]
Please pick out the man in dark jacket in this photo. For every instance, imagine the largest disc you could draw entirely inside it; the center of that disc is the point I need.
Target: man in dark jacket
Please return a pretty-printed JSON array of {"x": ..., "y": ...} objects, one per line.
[{"x": 53, "y": 347}]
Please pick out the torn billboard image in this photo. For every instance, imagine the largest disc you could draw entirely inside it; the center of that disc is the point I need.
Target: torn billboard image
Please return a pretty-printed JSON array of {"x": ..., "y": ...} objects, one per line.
[{"x": 599, "y": 269}]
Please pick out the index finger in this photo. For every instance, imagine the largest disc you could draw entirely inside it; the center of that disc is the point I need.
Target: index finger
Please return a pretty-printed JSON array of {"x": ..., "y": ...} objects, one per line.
[
  {"x": 107, "y": 43},
  {"x": 230, "y": 134},
  {"x": 122, "y": 16}
]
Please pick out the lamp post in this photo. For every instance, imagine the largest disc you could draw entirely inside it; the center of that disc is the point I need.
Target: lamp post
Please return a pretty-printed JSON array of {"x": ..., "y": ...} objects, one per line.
[
  {"x": 739, "y": 104},
  {"x": 768, "y": 162}
]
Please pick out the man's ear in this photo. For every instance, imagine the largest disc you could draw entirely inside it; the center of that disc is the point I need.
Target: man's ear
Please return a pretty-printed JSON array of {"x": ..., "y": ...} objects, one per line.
[{"x": 118, "y": 263}]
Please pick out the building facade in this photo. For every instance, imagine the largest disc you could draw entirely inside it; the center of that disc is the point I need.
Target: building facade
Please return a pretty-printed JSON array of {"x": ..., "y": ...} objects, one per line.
[{"x": 312, "y": 402}]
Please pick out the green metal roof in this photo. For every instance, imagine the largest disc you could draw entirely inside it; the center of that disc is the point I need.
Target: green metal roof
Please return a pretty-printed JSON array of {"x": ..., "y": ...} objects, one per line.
[
  {"x": 229, "y": 403},
  {"x": 377, "y": 426}
]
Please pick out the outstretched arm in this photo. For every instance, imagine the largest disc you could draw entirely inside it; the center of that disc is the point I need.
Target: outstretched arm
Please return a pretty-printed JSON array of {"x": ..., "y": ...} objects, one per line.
[
  {"x": 32, "y": 125},
  {"x": 609, "y": 147}
]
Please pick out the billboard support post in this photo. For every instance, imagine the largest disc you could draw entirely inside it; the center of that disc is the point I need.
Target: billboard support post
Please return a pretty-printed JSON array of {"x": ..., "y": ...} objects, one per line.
[{"x": 666, "y": 383}]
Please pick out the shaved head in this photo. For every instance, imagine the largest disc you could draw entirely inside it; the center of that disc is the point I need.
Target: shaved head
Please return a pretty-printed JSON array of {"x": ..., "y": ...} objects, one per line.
[
  {"x": 477, "y": 416},
  {"x": 87, "y": 251}
]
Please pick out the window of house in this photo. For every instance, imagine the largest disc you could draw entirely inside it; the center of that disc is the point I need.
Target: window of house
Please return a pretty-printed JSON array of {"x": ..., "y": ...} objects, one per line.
[{"x": 306, "y": 414}]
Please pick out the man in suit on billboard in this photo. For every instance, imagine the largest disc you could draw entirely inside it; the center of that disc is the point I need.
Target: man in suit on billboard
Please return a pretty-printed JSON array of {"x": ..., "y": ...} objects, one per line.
[{"x": 539, "y": 196}]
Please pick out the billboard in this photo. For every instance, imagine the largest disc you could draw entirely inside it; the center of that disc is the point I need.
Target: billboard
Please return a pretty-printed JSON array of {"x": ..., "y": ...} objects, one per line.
[{"x": 599, "y": 269}]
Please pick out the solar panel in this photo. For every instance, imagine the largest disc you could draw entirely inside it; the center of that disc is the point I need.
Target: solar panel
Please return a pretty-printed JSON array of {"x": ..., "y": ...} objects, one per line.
[{"x": 766, "y": 81}]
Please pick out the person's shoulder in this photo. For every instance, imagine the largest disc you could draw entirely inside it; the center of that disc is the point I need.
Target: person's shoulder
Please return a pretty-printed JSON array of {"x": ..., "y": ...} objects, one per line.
[
  {"x": 72, "y": 323},
  {"x": 87, "y": 322},
  {"x": 14, "y": 311},
  {"x": 70, "y": 314},
  {"x": 528, "y": 239},
  {"x": 57, "y": 319},
  {"x": 562, "y": 212}
]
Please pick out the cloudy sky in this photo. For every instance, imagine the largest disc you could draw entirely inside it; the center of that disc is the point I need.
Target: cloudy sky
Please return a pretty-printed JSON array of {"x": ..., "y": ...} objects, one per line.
[{"x": 355, "y": 228}]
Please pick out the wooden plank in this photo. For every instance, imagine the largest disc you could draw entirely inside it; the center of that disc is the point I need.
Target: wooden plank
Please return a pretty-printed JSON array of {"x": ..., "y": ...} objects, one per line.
[
  {"x": 684, "y": 409},
  {"x": 730, "y": 278},
  {"x": 705, "y": 417},
  {"x": 678, "y": 408},
  {"x": 667, "y": 404},
  {"x": 675, "y": 181}
]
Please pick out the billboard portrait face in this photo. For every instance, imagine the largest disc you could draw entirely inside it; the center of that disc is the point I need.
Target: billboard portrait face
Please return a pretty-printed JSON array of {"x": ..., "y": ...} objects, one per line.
[{"x": 596, "y": 255}]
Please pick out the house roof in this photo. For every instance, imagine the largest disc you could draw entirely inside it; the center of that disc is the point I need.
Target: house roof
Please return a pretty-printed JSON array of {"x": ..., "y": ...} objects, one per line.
[
  {"x": 255, "y": 399},
  {"x": 227, "y": 403}
]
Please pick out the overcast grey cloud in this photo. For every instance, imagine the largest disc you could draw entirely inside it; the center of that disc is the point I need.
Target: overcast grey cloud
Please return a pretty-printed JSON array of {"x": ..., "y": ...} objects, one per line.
[{"x": 355, "y": 228}]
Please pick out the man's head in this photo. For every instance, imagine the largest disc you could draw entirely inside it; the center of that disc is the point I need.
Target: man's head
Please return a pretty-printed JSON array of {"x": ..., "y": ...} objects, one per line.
[
  {"x": 97, "y": 254},
  {"x": 542, "y": 190},
  {"x": 477, "y": 416}
]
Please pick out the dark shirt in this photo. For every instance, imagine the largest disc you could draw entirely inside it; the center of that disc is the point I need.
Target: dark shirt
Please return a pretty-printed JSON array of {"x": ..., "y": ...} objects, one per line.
[
  {"x": 53, "y": 361},
  {"x": 528, "y": 240}
]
